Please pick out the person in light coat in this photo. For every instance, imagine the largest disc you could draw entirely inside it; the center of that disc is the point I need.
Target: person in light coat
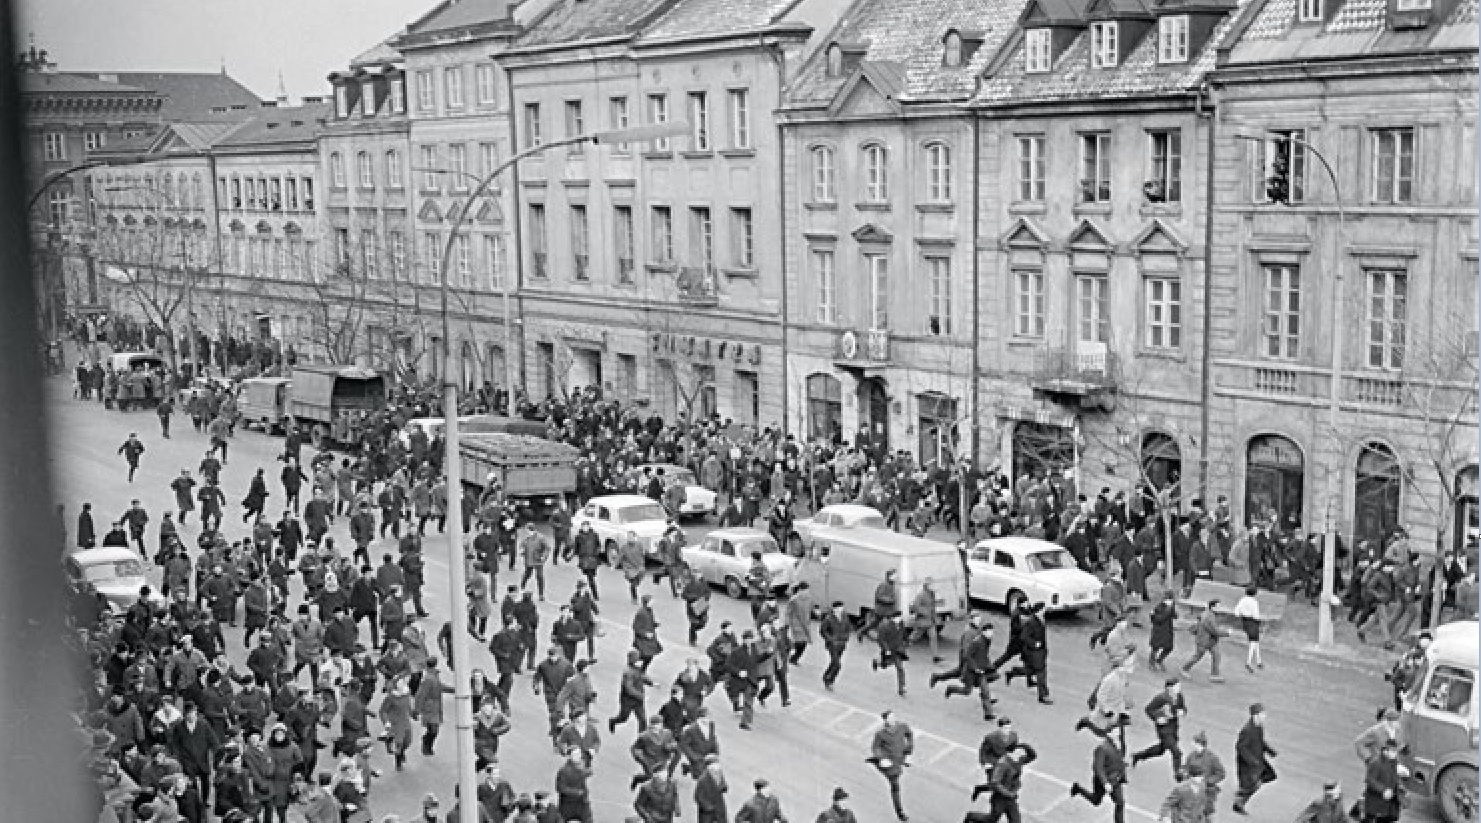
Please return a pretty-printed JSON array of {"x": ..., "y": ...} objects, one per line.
[
  {"x": 632, "y": 560},
  {"x": 797, "y": 615}
]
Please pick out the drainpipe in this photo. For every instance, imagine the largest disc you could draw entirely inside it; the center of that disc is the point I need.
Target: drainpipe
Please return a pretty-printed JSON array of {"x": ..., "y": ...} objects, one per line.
[
  {"x": 514, "y": 338},
  {"x": 976, "y": 283},
  {"x": 1205, "y": 359},
  {"x": 780, "y": 59}
]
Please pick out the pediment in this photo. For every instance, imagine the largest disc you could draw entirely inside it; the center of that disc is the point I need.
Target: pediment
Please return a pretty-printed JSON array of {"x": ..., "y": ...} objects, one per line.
[
  {"x": 861, "y": 97},
  {"x": 1089, "y": 236},
  {"x": 1024, "y": 235},
  {"x": 1158, "y": 238},
  {"x": 870, "y": 233},
  {"x": 490, "y": 213},
  {"x": 429, "y": 213}
]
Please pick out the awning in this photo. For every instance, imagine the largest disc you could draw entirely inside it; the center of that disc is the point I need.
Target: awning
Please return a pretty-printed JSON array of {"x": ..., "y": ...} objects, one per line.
[{"x": 1037, "y": 414}]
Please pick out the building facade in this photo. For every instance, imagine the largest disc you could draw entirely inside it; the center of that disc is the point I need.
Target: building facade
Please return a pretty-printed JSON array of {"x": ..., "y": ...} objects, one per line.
[{"x": 1345, "y": 206}]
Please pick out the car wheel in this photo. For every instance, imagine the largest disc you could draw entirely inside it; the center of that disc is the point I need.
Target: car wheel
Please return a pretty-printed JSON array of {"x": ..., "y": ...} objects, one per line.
[
  {"x": 613, "y": 558},
  {"x": 734, "y": 588},
  {"x": 1456, "y": 791}
]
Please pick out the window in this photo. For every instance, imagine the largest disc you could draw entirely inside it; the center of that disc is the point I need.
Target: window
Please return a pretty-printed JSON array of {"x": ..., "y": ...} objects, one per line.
[
  {"x": 1164, "y": 313},
  {"x": 368, "y": 253},
  {"x": 1092, "y": 294},
  {"x": 341, "y": 101},
  {"x": 701, "y": 238},
  {"x": 94, "y": 140},
  {"x": 939, "y": 271},
  {"x": 827, "y": 285},
  {"x": 488, "y": 84},
  {"x": 575, "y": 124},
  {"x": 938, "y": 172},
  {"x": 336, "y": 177},
  {"x": 538, "y": 241},
  {"x": 1388, "y": 292},
  {"x": 835, "y": 60},
  {"x": 580, "y": 257},
  {"x": 292, "y": 186},
  {"x": 57, "y": 202},
  {"x": 1450, "y": 690},
  {"x": 1172, "y": 39},
  {"x": 277, "y": 192},
  {"x": 308, "y": 194},
  {"x": 1095, "y": 168},
  {"x": 463, "y": 259},
  {"x": 740, "y": 119},
  {"x": 622, "y": 233},
  {"x": 743, "y": 251},
  {"x": 432, "y": 254},
  {"x": 394, "y": 178},
  {"x": 876, "y": 174},
  {"x": 1282, "y": 156},
  {"x": 877, "y": 267},
  {"x": 1413, "y": 5},
  {"x": 532, "y": 124},
  {"x": 1028, "y": 303},
  {"x": 398, "y": 95},
  {"x": 1165, "y": 183},
  {"x": 55, "y": 145},
  {"x": 1309, "y": 11},
  {"x": 493, "y": 258},
  {"x": 426, "y": 91},
  {"x": 617, "y": 118},
  {"x": 341, "y": 248},
  {"x": 452, "y": 86},
  {"x": 488, "y": 154},
  {"x": 367, "y": 99},
  {"x": 457, "y": 162},
  {"x": 1393, "y": 165},
  {"x": 1282, "y": 311},
  {"x": 1031, "y": 168},
  {"x": 823, "y": 177},
  {"x": 658, "y": 112},
  {"x": 366, "y": 170},
  {"x": 951, "y": 53},
  {"x": 699, "y": 121},
  {"x": 663, "y": 235},
  {"x": 397, "y": 244},
  {"x": 1037, "y": 50},
  {"x": 431, "y": 180},
  {"x": 1103, "y": 44}
]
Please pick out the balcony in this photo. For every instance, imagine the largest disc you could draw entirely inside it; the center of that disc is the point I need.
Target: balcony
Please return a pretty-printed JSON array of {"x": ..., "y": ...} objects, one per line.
[
  {"x": 697, "y": 287},
  {"x": 870, "y": 347},
  {"x": 1081, "y": 370},
  {"x": 1374, "y": 391}
]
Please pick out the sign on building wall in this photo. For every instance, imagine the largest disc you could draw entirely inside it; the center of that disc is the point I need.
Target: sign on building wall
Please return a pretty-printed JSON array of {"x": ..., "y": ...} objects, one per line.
[{"x": 704, "y": 348}]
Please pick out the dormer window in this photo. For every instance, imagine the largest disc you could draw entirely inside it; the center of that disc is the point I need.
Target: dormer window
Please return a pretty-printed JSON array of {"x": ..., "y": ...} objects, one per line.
[
  {"x": 951, "y": 56},
  {"x": 1413, "y": 5},
  {"x": 835, "y": 60},
  {"x": 1172, "y": 39},
  {"x": 1103, "y": 53},
  {"x": 398, "y": 94},
  {"x": 341, "y": 101},
  {"x": 367, "y": 98},
  {"x": 1037, "y": 51},
  {"x": 1309, "y": 11}
]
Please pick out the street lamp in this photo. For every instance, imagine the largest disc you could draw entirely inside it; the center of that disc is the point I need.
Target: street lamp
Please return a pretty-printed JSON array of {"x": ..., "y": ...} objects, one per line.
[
  {"x": 192, "y": 351},
  {"x": 1333, "y": 494},
  {"x": 452, "y": 460}
]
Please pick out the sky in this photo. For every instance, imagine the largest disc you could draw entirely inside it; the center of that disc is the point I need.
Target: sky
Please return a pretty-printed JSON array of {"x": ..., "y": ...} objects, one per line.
[{"x": 255, "y": 39}]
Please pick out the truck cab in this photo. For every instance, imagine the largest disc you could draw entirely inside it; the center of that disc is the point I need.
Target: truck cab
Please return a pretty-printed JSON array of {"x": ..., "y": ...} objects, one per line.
[{"x": 1439, "y": 718}]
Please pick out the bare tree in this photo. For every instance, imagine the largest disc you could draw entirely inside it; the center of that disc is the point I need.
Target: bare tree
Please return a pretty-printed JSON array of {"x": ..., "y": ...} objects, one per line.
[{"x": 160, "y": 262}]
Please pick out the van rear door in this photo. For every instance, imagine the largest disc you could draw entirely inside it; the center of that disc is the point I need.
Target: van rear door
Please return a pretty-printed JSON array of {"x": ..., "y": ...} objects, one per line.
[{"x": 947, "y": 577}]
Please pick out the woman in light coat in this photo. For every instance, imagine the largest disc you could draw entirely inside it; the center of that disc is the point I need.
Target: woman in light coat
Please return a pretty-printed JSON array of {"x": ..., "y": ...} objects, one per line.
[{"x": 1239, "y": 557}]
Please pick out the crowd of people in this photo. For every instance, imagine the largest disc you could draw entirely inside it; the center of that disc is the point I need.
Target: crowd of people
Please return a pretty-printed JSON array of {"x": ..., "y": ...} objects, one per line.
[{"x": 181, "y": 731}]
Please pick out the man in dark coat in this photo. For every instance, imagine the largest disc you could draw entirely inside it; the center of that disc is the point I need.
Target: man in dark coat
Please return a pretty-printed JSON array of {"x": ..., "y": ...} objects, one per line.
[
  {"x": 1108, "y": 773},
  {"x": 709, "y": 792},
  {"x": 1035, "y": 654},
  {"x": 194, "y": 744},
  {"x": 87, "y": 533},
  {"x": 131, "y": 449},
  {"x": 1250, "y": 758}
]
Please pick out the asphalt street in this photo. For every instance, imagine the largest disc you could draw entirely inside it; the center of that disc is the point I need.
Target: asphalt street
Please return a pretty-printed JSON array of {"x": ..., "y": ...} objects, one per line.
[{"x": 821, "y": 740}]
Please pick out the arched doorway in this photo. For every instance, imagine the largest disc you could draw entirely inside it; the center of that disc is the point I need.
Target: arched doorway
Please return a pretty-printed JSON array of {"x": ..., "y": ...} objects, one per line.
[
  {"x": 824, "y": 407},
  {"x": 1275, "y": 474},
  {"x": 493, "y": 365},
  {"x": 1042, "y": 450},
  {"x": 874, "y": 413},
  {"x": 1378, "y": 481},
  {"x": 1467, "y": 515},
  {"x": 936, "y": 424},
  {"x": 1162, "y": 465}
]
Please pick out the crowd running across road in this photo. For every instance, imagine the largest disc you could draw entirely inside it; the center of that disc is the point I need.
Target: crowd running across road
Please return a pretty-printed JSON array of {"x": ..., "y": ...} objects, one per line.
[{"x": 282, "y": 660}]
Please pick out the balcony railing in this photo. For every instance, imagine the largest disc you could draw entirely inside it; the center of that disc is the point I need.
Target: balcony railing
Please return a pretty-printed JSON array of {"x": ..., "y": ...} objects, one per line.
[
  {"x": 1080, "y": 369},
  {"x": 1374, "y": 391},
  {"x": 697, "y": 286}
]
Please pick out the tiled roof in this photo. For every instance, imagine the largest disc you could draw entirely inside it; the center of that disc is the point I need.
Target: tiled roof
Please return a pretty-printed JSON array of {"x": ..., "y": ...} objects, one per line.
[
  {"x": 44, "y": 83},
  {"x": 202, "y": 135},
  {"x": 189, "y": 93},
  {"x": 1356, "y": 28},
  {"x": 571, "y": 21},
  {"x": 1072, "y": 77},
  {"x": 285, "y": 125},
  {"x": 692, "y": 18},
  {"x": 909, "y": 33},
  {"x": 1062, "y": 10},
  {"x": 382, "y": 52},
  {"x": 1356, "y": 15},
  {"x": 461, "y": 14}
]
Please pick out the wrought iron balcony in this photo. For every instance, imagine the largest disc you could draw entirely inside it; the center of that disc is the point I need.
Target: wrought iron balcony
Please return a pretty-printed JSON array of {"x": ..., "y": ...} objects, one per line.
[
  {"x": 697, "y": 286},
  {"x": 1083, "y": 369}
]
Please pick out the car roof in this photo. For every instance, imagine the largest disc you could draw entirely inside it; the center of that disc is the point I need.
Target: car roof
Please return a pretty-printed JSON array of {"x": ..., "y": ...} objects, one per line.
[
  {"x": 1018, "y": 545},
  {"x": 739, "y": 533},
  {"x": 852, "y": 510},
  {"x": 103, "y": 554},
  {"x": 1456, "y": 643},
  {"x": 667, "y": 467},
  {"x": 620, "y": 500}
]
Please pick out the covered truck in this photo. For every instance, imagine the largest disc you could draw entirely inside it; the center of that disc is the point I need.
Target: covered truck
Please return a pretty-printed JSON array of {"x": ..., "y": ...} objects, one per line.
[
  {"x": 331, "y": 403},
  {"x": 533, "y": 471}
]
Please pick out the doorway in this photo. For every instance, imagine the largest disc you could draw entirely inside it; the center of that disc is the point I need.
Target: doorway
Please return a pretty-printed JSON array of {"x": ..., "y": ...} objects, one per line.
[
  {"x": 1042, "y": 450},
  {"x": 1274, "y": 482},
  {"x": 874, "y": 413},
  {"x": 1162, "y": 464},
  {"x": 824, "y": 407},
  {"x": 936, "y": 425},
  {"x": 1376, "y": 487}
]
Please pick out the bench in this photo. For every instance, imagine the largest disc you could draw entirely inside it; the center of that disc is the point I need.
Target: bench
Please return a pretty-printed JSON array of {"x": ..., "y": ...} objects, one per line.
[{"x": 1272, "y": 604}]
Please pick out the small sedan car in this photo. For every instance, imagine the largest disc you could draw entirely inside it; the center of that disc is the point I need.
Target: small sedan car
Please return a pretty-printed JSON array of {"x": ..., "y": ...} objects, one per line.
[
  {"x": 723, "y": 558},
  {"x": 1006, "y": 570},
  {"x": 114, "y": 572},
  {"x": 612, "y": 516},
  {"x": 837, "y": 516},
  {"x": 698, "y": 500}
]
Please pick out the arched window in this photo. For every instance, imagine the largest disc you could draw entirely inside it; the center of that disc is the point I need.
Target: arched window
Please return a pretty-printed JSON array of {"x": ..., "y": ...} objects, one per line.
[
  {"x": 824, "y": 175},
  {"x": 366, "y": 170},
  {"x": 336, "y": 171},
  {"x": 1274, "y": 481},
  {"x": 1377, "y": 485},
  {"x": 938, "y": 172},
  {"x": 835, "y": 60},
  {"x": 1162, "y": 463},
  {"x": 876, "y": 173},
  {"x": 952, "y": 55}
]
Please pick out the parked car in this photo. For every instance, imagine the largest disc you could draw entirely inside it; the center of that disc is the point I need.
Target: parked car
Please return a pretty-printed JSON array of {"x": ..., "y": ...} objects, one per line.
[
  {"x": 612, "y": 516},
  {"x": 698, "y": 500},
  {"x": 1440, "y": 722},
  {"x": 1004, "y": 570},
  {"x": 115, "y": 572},
  {"x": 835, "y": 518},
  {"x": 723, "y": 558}
]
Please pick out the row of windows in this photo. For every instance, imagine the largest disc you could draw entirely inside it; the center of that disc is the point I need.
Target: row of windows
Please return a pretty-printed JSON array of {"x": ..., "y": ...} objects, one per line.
[
  {"x": 264, "y": 193},
  {"x": 450, "y": 86},
  {"x": 1392, "y": 164},
  {"x": 170, "y": 190},
  {"x": 54, "y": 143},
  {"x": 875, "y": 164},
  {"x": 432, "y": 165},
  {"x": 361, "y": 97},
  {"x": 477, "y": 262},
  {"x": 700, "y": 251},
  {"x": 703, "y": 136},
  {"x": 1105, "y": 44},
  {"x": 875, "y": 267}
]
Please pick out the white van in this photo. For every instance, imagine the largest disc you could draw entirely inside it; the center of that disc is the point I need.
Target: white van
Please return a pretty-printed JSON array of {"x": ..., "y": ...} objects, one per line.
[{"x": 850, "y": 566}]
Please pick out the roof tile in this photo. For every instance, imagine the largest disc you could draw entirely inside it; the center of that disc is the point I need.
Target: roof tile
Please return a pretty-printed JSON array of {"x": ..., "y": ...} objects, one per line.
[
  {"x": 1358, "y": 15},
  {"x": 462, "y": 14},
  {"x": 571, "y": 21},
  {"x": 691, "y": 18},
  {"x": 188, "y": 94}
]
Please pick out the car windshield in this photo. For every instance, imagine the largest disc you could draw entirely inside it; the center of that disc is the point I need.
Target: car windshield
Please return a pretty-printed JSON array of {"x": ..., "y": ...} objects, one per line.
[
  {"x": 868, "y": 521},
  {"x": 114, "y": 570},
  {"x": 1049, "y": 560},
  {"x": 765, "y": 545},
  {"x": 638, "y": 514}
]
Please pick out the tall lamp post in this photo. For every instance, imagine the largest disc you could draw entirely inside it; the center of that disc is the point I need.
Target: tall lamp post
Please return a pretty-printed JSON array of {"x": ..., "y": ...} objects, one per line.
[
  {"x": 452, "y": 460},
  {"x": 1334, "y": 400}
]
